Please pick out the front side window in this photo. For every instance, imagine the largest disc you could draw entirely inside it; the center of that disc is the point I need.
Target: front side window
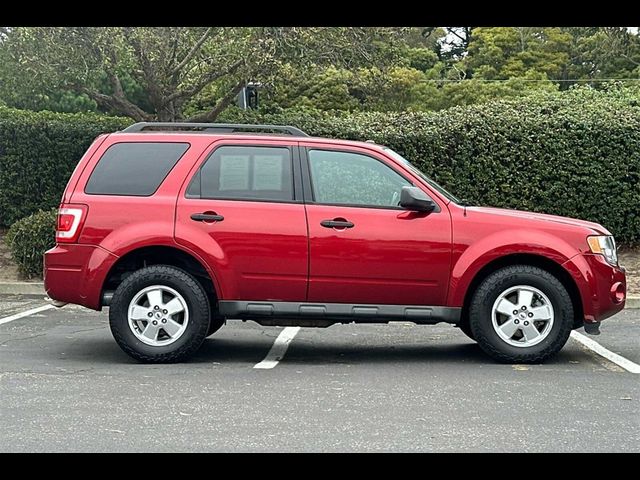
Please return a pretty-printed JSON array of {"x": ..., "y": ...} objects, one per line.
[
  {"x": 134, "y": 168},
  {"x": 245, "y": 172},
  {"x": 416, "y": 171},
  {"x": 347, "y": 178}
]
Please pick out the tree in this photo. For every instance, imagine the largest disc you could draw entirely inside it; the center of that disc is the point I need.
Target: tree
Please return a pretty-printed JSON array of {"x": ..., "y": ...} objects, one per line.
[
  {"x": 152, "y": 73},
  {"x": 611, "y": 52},
  {"x": 453, "y": 42},
  {"x": 500, "y": 53}
]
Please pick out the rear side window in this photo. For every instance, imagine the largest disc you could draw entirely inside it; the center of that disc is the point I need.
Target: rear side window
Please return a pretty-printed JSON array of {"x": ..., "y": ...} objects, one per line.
[
  {"x": 133, "y": 168},
  {"x": 245, "y": 173}
]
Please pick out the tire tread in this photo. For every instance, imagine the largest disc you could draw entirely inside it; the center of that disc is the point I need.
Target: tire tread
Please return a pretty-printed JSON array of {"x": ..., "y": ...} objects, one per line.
[
  {"x": 160, "y": 272},
  {"x": 512, "y": 274}
]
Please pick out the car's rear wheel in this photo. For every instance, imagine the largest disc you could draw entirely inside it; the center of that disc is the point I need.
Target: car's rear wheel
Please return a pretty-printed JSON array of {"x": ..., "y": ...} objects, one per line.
[
  {"x": 521, "y": 314},
  {"x": 159, "y": 314}
]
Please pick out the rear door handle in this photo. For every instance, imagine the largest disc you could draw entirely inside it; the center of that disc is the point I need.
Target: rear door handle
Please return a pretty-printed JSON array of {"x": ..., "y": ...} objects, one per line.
[
  {"x": 337, "y": 223},
  {"x": 207, "y": 217}
]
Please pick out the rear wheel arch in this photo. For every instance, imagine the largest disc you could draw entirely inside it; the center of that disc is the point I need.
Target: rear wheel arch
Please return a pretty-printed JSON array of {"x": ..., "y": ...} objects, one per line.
[
  {"x": 148, "y": 255},
  {"x": 534, "y": 260}
]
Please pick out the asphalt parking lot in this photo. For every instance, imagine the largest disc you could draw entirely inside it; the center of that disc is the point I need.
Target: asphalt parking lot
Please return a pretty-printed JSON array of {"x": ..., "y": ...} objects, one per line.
[{"x": 66, "y": 386}]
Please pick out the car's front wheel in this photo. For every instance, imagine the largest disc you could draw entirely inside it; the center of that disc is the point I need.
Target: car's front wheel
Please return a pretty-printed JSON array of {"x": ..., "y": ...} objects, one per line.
[
  {"x": 521, "y": 314},
  {"x": 159, "y": 314}
]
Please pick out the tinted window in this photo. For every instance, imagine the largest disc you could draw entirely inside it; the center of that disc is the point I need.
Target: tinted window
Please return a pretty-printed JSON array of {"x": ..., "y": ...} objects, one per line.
[
  {"x": 353, "y": 179},
  {"x": 134, "y": 168},
  {"x": 420, "y": 174},
  {"x": 253, "y": 173}
]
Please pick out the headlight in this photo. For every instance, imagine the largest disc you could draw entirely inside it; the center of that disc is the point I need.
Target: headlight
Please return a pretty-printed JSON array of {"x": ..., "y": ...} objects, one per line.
[{"x": 605, "y": 245}]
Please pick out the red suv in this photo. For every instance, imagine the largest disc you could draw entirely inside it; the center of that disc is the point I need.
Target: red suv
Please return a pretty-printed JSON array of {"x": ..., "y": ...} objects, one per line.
[{"x": 178, "y": 228}]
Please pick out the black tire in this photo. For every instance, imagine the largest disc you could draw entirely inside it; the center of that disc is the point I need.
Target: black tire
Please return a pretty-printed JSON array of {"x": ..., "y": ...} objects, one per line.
[
  {"x": 488, "y": 291},
  {"x": 197, "y": 304},
  {"x": 215, "y": 324}
]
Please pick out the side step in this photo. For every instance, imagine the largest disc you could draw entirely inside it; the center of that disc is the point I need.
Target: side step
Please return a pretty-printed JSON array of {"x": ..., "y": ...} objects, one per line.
[{"x": 325, "y": 314}]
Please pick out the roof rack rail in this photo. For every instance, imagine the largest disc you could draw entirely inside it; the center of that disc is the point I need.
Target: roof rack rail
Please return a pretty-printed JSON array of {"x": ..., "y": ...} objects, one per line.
[{"x": 210, "y": 127}]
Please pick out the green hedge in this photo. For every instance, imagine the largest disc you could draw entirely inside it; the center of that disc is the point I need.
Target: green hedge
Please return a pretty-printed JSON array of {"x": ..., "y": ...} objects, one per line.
[
  {"x": 29, "y": 238},
  {"x": 574, "y": 153},
  {"x": 38, "y": 152}
]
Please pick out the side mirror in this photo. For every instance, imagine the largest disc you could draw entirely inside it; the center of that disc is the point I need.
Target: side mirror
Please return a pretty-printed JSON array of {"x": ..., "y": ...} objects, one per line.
[{"x": 414, "y": 199}]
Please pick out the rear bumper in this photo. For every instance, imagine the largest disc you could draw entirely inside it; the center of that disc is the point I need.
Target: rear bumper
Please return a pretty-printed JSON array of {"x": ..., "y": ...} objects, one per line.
[
  {"x": 603, "y": 287},
  {"x": 75, "y": 273}
]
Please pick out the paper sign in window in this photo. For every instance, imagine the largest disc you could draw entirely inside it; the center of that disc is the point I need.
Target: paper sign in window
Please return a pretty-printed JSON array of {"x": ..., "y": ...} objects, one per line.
[
  {"x": 234, "y": 172},
  {"x": 267, "y": 172}
]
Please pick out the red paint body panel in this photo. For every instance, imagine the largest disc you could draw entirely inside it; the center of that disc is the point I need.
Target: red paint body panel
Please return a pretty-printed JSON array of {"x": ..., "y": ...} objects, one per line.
[
  {"x": 259, "y": 251},
  {"x": 279, "y": 251},
  {"x": 594, "y": 278},
  {"x": 388, "y": 257},
  {"x": 482, "y": 235},
  {"x": 75, "y": 273}
]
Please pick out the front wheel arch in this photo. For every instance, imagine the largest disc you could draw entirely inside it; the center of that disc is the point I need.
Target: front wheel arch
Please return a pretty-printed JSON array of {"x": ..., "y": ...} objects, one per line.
[{"x": 532, "y": 260}]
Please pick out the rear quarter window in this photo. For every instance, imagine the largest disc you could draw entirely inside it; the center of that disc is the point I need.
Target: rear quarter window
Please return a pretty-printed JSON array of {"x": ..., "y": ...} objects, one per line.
[{"x": 134, "y": 168}]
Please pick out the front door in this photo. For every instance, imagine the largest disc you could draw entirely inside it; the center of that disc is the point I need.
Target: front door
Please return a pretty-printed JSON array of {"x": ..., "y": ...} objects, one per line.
[
  {"x": 242, "y": 212},
  {"x": 363, "y": 247}
]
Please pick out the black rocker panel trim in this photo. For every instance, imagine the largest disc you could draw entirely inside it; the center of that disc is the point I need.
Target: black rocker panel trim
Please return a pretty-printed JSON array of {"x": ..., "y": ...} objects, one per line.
[{"x": 365, "y": 313}]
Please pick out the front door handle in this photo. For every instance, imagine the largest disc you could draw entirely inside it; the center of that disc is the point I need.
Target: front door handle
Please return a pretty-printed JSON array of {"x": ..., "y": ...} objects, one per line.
[
  {"x": 207, "y": 217},
  {"x": 337, "y": 223}
]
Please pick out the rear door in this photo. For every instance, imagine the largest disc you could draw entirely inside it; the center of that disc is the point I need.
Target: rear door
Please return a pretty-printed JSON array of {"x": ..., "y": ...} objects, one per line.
[{"x": 242, "y": 211}]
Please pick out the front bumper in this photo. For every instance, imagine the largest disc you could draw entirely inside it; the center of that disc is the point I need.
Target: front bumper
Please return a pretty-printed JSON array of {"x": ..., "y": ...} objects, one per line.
[
  {"x": 603, "y": 287},
  {"x": 75, "y": 273}
]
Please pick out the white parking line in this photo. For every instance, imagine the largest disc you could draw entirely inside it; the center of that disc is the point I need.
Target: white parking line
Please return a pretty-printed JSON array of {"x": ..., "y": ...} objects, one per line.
[
  {"x": 279, "y": 348},
  {"x": 26, "y": 313},
  {"x": 628, "y": 365}
]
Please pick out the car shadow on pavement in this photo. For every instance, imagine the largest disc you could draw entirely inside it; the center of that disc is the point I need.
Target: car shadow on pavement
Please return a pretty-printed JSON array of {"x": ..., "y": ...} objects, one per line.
[
  {"x": 249, "y": 351},
  {"x": 363, "y": 354},
  {"x": 241, "y": 351},
  {"x": 235, "y": 350},
  {"x": 106, "y": 351}
]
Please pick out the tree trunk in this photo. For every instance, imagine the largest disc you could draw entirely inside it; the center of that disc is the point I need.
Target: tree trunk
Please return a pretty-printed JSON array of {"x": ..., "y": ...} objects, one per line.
[
  {"x": 118, "y": 105},
  {"x": 166, "y": 114},
  {"x": 222, "y": 104}
]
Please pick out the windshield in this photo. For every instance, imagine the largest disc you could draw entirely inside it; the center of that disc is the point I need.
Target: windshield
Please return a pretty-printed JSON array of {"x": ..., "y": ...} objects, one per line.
[{"x": 417, "y": 172}]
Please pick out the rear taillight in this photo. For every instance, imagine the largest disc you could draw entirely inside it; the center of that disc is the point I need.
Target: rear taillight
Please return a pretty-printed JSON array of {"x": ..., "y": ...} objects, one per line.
[{"x": 70, "y": 221}]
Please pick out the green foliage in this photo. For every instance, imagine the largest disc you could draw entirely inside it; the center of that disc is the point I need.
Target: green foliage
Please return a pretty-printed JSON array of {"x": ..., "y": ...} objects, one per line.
[
  {"x": 29, "y": 238},
  {"x": 573, "y": 153},
  {"x": 478, "y": 64},
  {"x": 598, "y": 52},
  {"x": 392, "y": 90},
  {"x": 153, "y": 73},
  {"x": 507, "y": 52},
  {"x": 330, "y": 88},
  {"x": 172, "y": 73},
  {"x": 38, "y": 152}
]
